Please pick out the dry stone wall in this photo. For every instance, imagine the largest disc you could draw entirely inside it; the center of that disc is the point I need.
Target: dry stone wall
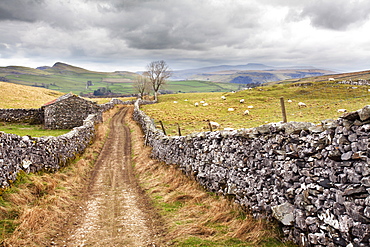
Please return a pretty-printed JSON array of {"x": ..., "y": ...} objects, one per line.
[
  {"x": 31, "y": 116},
  {"x": 314, "y": 179},
  {"x": 32, "y": 154}
]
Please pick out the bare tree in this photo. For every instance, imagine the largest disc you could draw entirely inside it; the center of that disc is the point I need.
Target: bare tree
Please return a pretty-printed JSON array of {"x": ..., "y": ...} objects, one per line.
[
  {"x": 141, "y": 85},
  {"x": 157, "y": 72}
]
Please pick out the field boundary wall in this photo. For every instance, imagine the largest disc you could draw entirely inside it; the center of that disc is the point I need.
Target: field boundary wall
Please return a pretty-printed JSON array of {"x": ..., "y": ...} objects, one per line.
[
  {"x": 32, "y": 154},
  {"x": 314, "y": 179}
]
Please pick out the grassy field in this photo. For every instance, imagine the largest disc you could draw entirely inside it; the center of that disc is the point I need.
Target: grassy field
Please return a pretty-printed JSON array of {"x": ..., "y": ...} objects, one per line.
[
  {"x": 19, "y": 96},
  {"x": 323, "y": 99},
  {"x": 192, "y": 86},
  {"x": 31, "y": 130}
]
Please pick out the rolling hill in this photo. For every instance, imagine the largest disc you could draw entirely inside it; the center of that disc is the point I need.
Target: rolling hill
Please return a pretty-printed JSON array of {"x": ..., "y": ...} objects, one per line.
[
  {"x": 67, "y": 78},
  {"x": 248, "y": 74}
]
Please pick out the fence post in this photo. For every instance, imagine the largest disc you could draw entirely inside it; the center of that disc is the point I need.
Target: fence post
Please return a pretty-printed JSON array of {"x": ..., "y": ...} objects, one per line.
[
  {"x": 210, "y": 126},
  {"x": 178, "y": 129},
  {"x": 164, "y": 131},
  {"x": 283, "y": 109}
]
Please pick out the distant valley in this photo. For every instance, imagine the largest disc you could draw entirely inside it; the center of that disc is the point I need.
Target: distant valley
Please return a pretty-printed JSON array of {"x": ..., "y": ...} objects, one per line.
[{"x": 250, "y": 73}]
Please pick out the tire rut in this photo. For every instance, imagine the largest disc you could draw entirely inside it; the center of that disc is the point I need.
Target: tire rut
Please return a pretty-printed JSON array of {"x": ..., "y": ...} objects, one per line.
[{"x": 116, "y": 211}]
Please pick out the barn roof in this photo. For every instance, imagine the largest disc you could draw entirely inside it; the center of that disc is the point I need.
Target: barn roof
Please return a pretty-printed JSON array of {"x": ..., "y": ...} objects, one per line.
[{"x": 63, "y": 97}]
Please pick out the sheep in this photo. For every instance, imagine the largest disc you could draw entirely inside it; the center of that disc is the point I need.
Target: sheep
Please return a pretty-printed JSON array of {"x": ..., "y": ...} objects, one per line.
[
  {"x": 196, "y": 104},
  {"x": 301, "y": 104},
  {"x": 290, "y": 101},
  {"x": 175, "y": 102},
  {"x": 214, "y": 125},
  {"x": 223, "y": 97},
  {"x": 342, "y": 110},
  {"x": 202, "y": 102},
  {"x": 250, "y": 107},
  {"x": 186, "y": 100},
  {"x": 246, "y": 113},
  {"x": 205, "y": 104},
  {"x": 331, "y": 79},
  {"x": 241, "y": 101},
  {"x": 231, "y": 109}
]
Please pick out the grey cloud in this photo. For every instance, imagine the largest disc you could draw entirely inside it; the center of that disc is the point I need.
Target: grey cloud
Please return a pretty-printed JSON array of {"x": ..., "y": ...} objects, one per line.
[
  {"x": 337, "y": 15},
  {"x": 188, "y": 25},
  {"x": 20, "y": 10}
]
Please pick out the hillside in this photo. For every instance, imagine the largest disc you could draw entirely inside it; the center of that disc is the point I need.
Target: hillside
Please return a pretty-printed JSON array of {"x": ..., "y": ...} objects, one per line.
[
  {"x": 19, "y": 96},
  {"x": 67, "y": 78}
]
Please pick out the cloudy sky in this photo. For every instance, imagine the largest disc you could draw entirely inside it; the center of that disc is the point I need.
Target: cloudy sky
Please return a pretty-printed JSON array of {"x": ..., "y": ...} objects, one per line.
[{"x": 115, "y": 35}]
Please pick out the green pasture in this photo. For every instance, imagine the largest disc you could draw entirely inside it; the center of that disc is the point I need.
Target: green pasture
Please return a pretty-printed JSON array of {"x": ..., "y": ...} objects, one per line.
[
  {"x": 323, "y": 99},
  {"x": 31, "y": 130},
  {"x": 192, "y": 86}
]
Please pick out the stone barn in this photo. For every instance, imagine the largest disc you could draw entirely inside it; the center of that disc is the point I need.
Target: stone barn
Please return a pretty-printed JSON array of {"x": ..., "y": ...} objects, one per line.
[{"x": 68, "y": 111}]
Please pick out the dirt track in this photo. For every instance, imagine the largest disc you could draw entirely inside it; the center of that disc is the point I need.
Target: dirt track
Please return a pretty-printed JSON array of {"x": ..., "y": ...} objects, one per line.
[{"x": 116, "y": 212}]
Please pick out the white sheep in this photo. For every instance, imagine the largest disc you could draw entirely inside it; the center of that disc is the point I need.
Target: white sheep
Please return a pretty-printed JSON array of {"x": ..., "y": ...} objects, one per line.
[
  {"x": 214, "y": 125},
  {"x": 196, "y": 104},
  {"x": 246, "y": 112},
  {"x": 331, "y": 79},
  {"x": 205, "y": 104},
  {"x": 250, "y": 107},
  {"x": 241, "y": 101},
  {"x": 342, "y": 110},
  {"x": 175, "y": 102},
  {"x": 202, "y": 102},
  {"x": 301, "y": 104},
  {"x": 223, "y": 97},
  {"x": 290, "y": 101},
  {"x": 231, "y": 109}
]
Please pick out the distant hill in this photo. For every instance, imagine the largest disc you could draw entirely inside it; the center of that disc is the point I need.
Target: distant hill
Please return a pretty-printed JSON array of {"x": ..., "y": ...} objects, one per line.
[
  {"x": 354, "y": 76},
  {"x": 248, "y": 73},
  {"x": 67, "y": 78}
]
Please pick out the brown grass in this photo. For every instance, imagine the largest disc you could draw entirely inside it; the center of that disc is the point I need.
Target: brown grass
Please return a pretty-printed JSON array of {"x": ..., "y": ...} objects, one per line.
[
  {"x": 44, "y": 202},
  {"x": 19, "y": 96}
]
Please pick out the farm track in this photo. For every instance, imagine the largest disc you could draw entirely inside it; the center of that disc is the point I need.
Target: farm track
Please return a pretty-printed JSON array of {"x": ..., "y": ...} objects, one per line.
[{"x": 116, "y": 212}]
